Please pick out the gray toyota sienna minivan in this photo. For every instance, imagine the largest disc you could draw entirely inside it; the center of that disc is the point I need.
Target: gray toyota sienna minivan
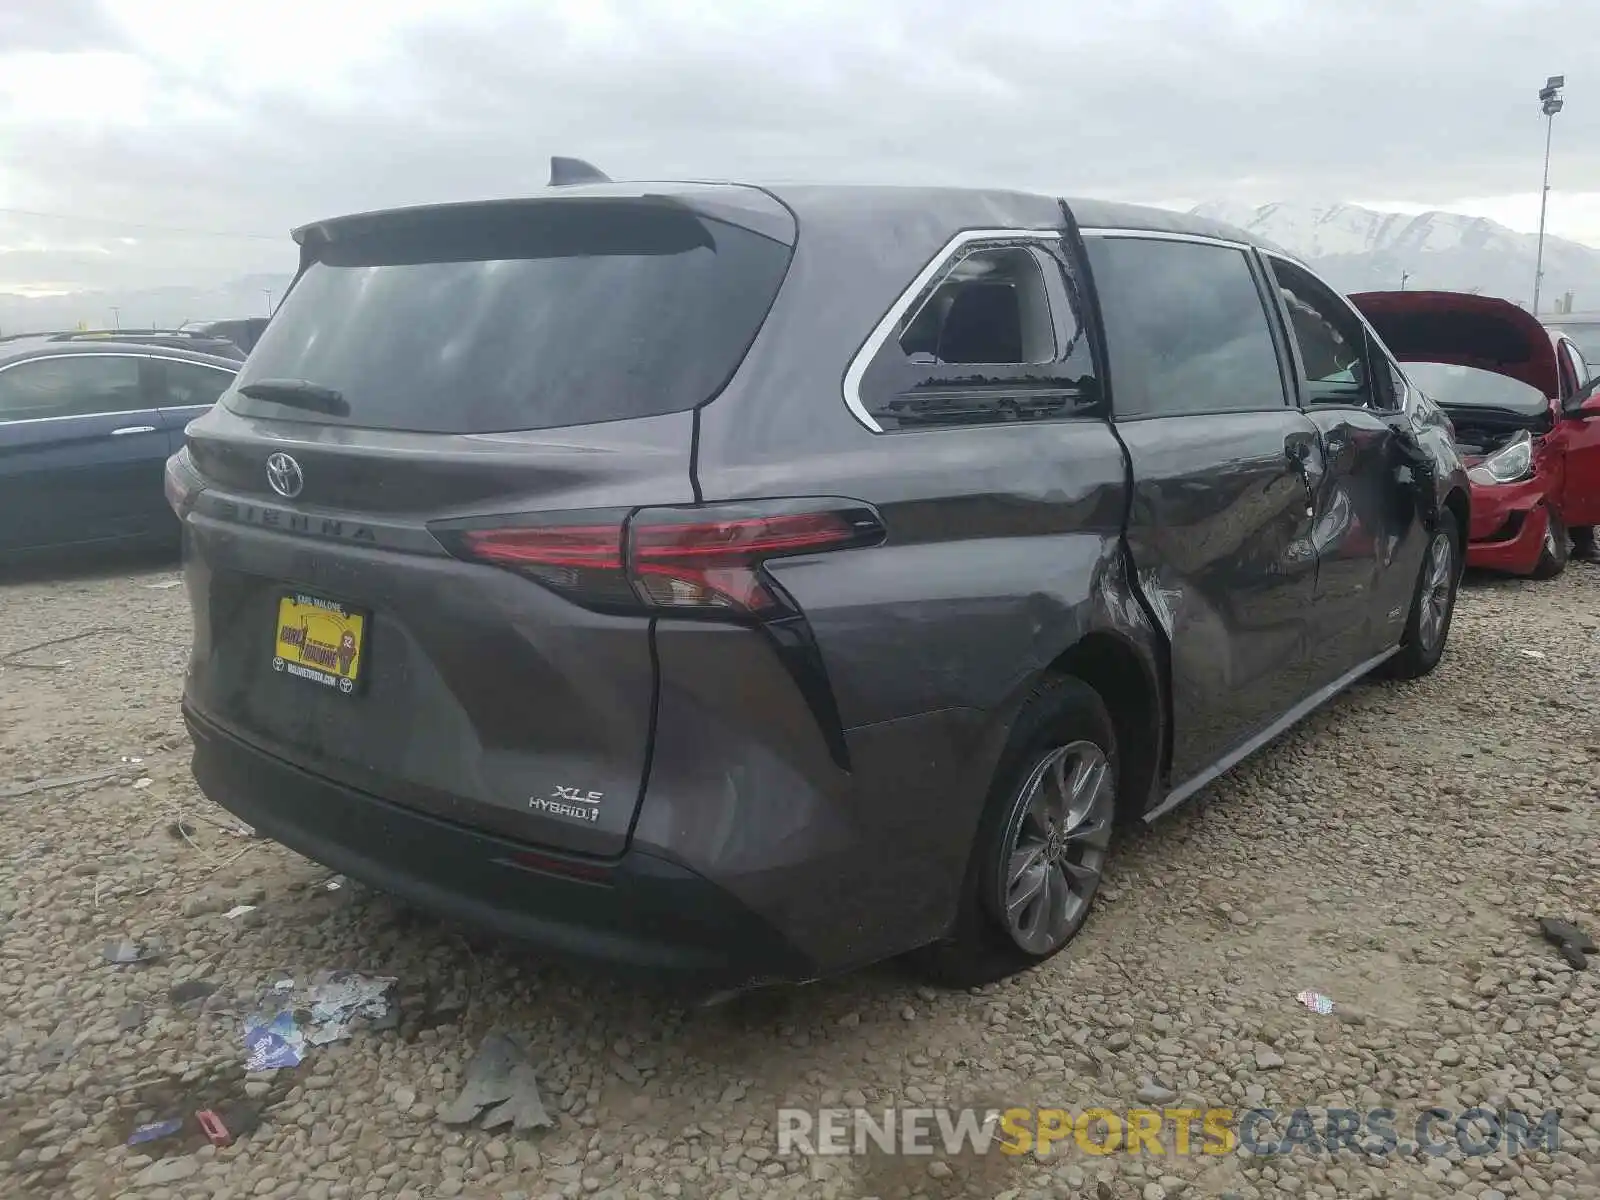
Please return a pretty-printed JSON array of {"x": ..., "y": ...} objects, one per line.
[{"x": 757, "y": 583}]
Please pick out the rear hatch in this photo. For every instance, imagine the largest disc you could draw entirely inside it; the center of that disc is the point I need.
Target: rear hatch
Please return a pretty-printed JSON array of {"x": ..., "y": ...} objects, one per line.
[{"x": 435, "y": 381}]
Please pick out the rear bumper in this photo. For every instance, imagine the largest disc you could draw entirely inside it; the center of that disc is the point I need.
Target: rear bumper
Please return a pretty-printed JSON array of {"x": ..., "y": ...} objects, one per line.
[
  {"x": 638, "y": 911},
  {"x": 1508, "y": 526}
]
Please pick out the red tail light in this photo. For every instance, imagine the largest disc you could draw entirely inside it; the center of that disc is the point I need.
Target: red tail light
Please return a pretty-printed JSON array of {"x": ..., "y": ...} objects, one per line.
[
  {"x": 689, "y": 559},
  {"x": 181, "y": 483},
  {"x": 583, "y": 561}
]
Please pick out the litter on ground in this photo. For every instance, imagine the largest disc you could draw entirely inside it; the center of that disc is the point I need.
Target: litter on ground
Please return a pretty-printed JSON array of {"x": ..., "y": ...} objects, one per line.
[
  {"x": 12, "y": 791},
  {"x": 154, "y": 1131},
  {"x": 342, "y": 1001},
  {"x": 332, "y": 1007},
  {"x": 1316, "y": 1002},
  {"x": 212, "y": 1126},
  {"x": 499, "y": 1079},
  {"x": 273, "y": 1043},
  {"x": 125, "y": 952}
]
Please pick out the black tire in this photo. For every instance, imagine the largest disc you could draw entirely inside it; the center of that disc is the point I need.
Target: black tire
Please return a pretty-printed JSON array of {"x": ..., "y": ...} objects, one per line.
[
  {"x": 1555, "y": 551},
  {"x": 1422, "y": 644},
  {"x": 985, "y": 945}
]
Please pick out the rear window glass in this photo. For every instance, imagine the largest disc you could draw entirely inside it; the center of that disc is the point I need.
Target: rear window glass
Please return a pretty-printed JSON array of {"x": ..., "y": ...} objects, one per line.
[
  {"x": 524, "y": 317},
  {"x": 1449, "y": 384}
]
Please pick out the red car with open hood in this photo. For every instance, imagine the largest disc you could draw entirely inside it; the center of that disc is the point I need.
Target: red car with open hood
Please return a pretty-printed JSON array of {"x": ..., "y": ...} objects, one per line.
[{"x": 1527, "y": 417}]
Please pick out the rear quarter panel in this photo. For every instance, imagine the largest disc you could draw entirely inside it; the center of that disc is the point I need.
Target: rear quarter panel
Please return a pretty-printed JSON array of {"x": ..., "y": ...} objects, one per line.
[{"x": 1003, "y": 550}]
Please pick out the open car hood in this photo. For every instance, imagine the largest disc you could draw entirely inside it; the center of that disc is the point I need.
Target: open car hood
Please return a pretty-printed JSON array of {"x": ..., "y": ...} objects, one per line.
[{"x": 1466, "y": 330}]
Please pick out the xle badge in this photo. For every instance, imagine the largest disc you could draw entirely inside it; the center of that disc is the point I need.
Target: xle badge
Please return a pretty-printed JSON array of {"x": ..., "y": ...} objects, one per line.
[{"x": 569, "y": 802}]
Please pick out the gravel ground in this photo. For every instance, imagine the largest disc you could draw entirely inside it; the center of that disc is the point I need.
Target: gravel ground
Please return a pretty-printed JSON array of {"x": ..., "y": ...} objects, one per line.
[{"x": 1390, "y": 853}]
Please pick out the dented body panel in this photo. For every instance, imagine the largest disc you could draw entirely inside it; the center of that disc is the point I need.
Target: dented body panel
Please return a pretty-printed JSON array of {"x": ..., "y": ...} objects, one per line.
[
  {"x": 1367, "y": 539},
  {"x": 1218, "y": 531}
]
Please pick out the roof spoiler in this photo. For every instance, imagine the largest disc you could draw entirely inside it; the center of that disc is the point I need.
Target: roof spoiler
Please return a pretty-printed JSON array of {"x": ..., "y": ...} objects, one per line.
[{"x": 567, "y": 172}]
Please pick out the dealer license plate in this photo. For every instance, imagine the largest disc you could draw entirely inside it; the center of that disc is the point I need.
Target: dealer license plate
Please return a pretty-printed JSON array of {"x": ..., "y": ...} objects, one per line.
[{"x": 322, "y": 641}]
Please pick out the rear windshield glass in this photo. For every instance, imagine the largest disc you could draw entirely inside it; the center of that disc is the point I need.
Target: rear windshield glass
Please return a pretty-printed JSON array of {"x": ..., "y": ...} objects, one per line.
[
  {"x": 520, "y": 317},
  {"x": 1449, "y": 384}
]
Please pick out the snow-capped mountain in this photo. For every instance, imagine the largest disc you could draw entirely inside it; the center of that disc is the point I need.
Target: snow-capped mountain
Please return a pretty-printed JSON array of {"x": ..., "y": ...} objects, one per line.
[{"x": 1358, "y": 249}]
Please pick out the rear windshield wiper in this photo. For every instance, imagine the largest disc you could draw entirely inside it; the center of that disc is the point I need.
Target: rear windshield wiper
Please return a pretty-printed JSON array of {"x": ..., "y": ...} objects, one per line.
[{"x": 298, "y": 393}]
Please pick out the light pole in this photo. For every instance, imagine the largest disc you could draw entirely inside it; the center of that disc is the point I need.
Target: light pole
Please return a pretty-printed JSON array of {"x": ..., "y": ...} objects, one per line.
[
  {"x": 267, "y": 292},
  {"x": 1404, "y": 275},
  {"x": 1551, "y": 102}
]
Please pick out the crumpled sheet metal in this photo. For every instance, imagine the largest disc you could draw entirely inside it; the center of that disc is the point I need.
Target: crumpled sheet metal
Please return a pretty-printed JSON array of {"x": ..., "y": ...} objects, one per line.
[{"x": 500, "y": 1079}]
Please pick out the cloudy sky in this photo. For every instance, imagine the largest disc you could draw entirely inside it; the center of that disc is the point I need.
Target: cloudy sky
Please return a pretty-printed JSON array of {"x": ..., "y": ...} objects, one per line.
[{"x": 146, "y": 142}]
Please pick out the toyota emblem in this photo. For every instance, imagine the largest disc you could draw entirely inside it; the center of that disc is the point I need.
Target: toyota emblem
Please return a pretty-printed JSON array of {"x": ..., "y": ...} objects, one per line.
[{"x": 283, "y": 473}]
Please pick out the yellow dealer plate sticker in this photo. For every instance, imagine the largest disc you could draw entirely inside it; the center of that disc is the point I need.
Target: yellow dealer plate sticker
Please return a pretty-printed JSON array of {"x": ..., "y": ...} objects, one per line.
[{"x": 322, "y": 641}]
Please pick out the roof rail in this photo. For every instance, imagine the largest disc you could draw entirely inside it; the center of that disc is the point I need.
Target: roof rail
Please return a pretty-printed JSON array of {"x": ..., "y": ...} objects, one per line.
[
  {"x": 565, "y": 172},
  {"x": 116, "y": 335},
  {"x": 127, "y": 335}
]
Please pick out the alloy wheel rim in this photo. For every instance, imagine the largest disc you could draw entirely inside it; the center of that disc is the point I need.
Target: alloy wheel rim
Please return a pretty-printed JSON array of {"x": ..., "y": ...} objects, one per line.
[
  {"x": 1436, "y": 590},
  {"x": 1056, "y": 856}
]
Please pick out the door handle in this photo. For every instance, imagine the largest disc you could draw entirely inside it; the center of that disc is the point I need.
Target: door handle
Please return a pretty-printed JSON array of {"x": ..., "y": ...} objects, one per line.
[{"x": 133, "y": 429}]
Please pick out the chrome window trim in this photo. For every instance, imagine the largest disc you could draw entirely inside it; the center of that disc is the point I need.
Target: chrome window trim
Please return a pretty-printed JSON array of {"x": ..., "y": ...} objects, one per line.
[
  {"x": 1162, "y": 235},
  {"x": 189, "y": 362},
  {"x": 885, "y": 327},
  {"x": 18, "y": 362}
]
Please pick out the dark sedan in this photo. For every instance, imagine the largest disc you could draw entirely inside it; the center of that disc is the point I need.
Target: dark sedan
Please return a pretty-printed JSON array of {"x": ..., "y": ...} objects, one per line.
[{"x": 86, "y": 426}]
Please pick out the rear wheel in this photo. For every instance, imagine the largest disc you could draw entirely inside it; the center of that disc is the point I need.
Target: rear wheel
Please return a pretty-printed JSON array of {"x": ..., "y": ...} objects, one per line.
[
  {"x": 1554, "y": 551},
  {"x": 1433, "y": 606},
  {"x": 1042, "y": 842}
]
